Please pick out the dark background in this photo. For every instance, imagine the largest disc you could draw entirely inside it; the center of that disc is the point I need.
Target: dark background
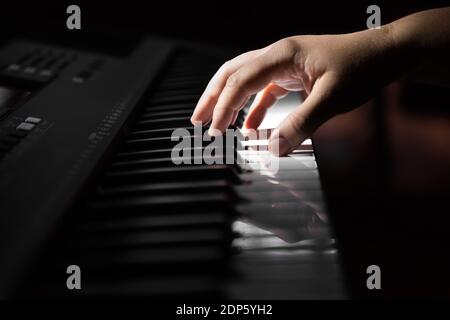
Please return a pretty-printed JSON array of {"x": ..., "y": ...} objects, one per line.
[{"x": 236, "y": 24}]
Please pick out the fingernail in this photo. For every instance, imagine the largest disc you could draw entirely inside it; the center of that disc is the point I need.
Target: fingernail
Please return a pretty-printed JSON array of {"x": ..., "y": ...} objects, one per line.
[
  {"x": 214, "y": 132},
  {"x": 279, "y": 145},
  {"x": 196, "y": 123}
]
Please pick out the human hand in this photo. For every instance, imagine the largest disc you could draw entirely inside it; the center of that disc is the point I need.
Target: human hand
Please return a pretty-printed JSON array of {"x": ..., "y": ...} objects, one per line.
[{"x": 337, "y": 72}]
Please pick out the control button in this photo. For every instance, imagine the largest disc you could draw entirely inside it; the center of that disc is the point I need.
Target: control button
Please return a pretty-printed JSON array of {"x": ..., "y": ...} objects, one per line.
[
  {"x": 78, "y": 79},
  {"x": 14, "y": 67},
  {"x": 46, "y": 73},
  {"x": 33, "y": 120},
  {"x": 25, "y": 126},
  {"x": 29, "y": 70}
]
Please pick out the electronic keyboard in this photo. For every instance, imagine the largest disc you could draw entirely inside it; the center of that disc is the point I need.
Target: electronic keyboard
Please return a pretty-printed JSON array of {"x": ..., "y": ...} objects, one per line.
[{"x": 87, "y": 179}]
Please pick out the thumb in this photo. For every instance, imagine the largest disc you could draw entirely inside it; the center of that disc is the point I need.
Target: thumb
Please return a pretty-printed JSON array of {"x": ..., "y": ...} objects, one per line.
[{"x": 304, "y": 120}]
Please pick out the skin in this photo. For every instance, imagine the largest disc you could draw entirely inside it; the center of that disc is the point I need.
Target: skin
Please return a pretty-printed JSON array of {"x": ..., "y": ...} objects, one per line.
[{"x": 327, "y": 68}]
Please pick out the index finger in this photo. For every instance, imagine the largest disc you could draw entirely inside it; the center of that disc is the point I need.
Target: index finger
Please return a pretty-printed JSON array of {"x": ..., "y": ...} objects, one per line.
[
  {"x": 249, "y": 79},
  {"x": 205, "y": 106}
]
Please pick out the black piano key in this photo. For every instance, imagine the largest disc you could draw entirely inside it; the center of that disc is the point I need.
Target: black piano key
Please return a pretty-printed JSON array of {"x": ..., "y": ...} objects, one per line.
[
  {"x": 163, "y": 107},
  {"x": 165, "y": 114},
  {"x": 188, "y": 160},
  {"x": 162, "y": 123},
  {"x": 189, "y": 256},
  {"x": 161, "y": 201},
  {"x": 156, "y": 133},
  {"x": 95, "y": 213},
  {"x": 154, "y": 143},
  {"x": 196, "y": 86},
  {"x": 188, "y": 98},
  {"x": 153, "y": 221},
  {"x": 194, "y": 68},
  {"x": 151, "y": 154},
  {"x": 176, "y": 173},
  {"x": 153, "y": 238},
  {"x": 150, "y": 143},
  {"x": 182, "y": 91},
  {"x": 148, "y": 154},
  {"x": 205, "y": 72},
  {"x": 181, "y": 80},
  {"x": 203, "y": 286},
  {"x": 156, "y": 188}
]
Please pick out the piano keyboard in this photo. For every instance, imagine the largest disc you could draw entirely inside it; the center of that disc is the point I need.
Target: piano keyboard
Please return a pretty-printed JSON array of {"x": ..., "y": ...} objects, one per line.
[{"x": 154, "y": 229}]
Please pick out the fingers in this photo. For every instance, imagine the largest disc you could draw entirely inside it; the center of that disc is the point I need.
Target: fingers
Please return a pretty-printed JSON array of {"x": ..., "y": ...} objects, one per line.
[
  {"x": 249, "y": 79},
  {"x": 304, "y": 120},
  {"x": 204, "y": 110},
  {"x": 264, "y": 100}
]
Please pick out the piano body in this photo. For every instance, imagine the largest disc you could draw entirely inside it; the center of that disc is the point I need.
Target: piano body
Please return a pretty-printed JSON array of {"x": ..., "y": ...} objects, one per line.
[{"x": 87, "y": 180}]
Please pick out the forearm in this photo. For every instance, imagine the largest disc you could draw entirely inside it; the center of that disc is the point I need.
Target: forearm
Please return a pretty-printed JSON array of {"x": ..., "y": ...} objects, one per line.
[{"x": 423, "y": 40}]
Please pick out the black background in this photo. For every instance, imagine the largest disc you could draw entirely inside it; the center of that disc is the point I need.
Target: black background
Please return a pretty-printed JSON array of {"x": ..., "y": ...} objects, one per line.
[{"x": 237, "y": 24}]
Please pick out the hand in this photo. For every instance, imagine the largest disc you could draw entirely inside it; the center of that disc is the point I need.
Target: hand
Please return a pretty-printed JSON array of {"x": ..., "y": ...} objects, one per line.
[
  {"x": 337, "y": 73},
  {"x": 329, "y": 68}
]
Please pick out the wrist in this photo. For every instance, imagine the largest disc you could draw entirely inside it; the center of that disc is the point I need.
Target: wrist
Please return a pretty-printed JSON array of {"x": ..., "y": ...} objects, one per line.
[{"x": 401, "y": 50}]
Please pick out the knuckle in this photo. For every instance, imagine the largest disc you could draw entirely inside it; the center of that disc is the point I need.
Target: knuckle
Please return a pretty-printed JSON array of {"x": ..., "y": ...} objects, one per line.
[
  {"x": 234, "y": 81},
  {"x": 211, "y": 97},
  {"x": 284, "y": 52},
  {"x": 226, "y": 65},
  {"x": 287, "y": 46}
]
